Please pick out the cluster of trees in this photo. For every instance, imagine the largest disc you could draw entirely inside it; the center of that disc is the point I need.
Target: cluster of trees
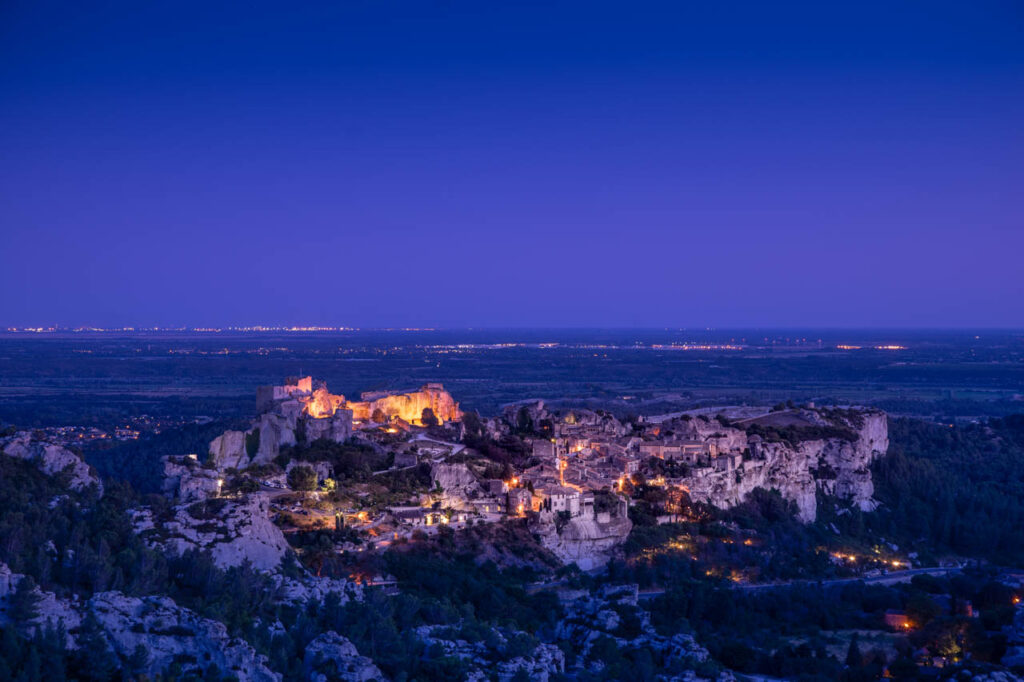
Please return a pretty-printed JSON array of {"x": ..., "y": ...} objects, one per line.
[
  {"x": 785, "y": 632},
  {"x": 794, "y": 435},
  {"x": 349, "y": 460},
  {"x": 508, "y": 451},
  {"x": 781, "y": 546}
]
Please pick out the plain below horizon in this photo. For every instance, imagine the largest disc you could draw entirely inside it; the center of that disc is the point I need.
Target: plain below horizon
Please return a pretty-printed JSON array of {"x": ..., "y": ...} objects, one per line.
[
  {"x": 540, "y": 164},
  {"x": 541, "y": 335}
]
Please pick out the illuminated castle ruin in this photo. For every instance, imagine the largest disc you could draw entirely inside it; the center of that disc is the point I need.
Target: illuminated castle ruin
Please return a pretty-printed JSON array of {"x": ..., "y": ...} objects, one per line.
[
  {"x": 312, "y": 399},
  {"x": 304, "y": 410},
  {"x": 408, "y": 407}
]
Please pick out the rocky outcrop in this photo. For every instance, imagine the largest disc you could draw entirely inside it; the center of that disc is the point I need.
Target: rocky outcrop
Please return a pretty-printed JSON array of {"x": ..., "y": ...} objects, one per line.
[
  {"x": 228, "y": 450},
  {"x": 332, "y": 657},
  {"x": 289, "y": 414},
  {"x": 586, "y": 541},
  {"x": 837, "y": 465},
  {"x": 541, "y": 664},
  {"x": 49, "y": 609},
  {"x": 456, "y": 480},
  {"x": 169, "y": 633},
  {"x": 590, "y": 616},
  {"x": 299, "y": 591},
  {"x": 186, "y": 480},
  {"x": 52, "y": 460},
  {"x": 166, "y": 632},
  {"x": 337, "y": 427},
  {"x": 276, "y": 431},
  {"x": 1014, "y": 655},
  {"x": 234, "y": 530},
  {"x": 530, "y": 415},
  {"x": 323, "y": 470}
]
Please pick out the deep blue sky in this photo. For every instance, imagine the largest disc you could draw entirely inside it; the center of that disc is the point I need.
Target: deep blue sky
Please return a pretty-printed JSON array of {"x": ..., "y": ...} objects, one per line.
[{"x": 451, "y": 163}]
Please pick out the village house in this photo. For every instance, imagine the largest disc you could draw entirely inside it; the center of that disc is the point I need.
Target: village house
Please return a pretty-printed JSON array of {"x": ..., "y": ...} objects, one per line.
[
  {"x": 688, "y": 452},
  {"x": 728, "y": 462},
  {"x": 520, "y": 501},
  {"x": 897, "y": 620},
  {"x": 545, "y": 449},
  {"x": 495, "y": 486},
  {"x": 626, "y": 465},
  {"x": 559, "y": 498},
  {"x": 489, "y": 505}
]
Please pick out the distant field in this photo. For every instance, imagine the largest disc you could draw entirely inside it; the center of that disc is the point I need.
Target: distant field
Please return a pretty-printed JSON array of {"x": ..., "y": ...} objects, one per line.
[{"x": 96, "y": 378}]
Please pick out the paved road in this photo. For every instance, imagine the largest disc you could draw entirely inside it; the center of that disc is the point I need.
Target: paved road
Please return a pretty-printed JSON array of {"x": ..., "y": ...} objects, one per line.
[{"x": 887, "y": 579}]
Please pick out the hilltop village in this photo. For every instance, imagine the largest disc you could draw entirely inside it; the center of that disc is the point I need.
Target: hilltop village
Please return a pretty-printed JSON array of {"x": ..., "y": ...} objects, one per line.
[
  {"x": 395, "y": 465},
  {"x": 325, "y": 514}
]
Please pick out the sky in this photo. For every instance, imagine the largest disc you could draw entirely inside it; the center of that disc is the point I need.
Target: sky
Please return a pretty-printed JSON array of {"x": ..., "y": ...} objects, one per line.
[{"x": 384, "y": 163}]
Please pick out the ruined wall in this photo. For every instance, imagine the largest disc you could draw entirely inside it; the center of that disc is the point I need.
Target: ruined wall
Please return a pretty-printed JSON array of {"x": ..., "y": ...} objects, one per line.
[
  {"x": 323, "y": 403},
  {"x": 409, "y": 406}
]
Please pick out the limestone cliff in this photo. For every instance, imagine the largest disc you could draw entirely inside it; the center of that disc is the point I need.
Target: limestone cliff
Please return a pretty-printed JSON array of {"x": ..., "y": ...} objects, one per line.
[
  {"x": 835, "y": 459},
  {"x": 228, "y": 450},
  {"x": 456, "y": 481},
  {"x": 586, "y": 541}
]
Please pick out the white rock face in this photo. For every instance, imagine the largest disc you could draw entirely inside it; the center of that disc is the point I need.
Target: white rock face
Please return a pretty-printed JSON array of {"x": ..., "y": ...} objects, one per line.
[
  {"x": 238, "y": 531},
  {"x": 276, "y": 430},
  {"x": 332, "y": 657},
  {"x": 186, "y": 480},
  {"x": 457, "y": 481},
  {"x": 51, "y": 459},
  {"x": 323, "y": 469},
  {"x": 337, "y": 427},
  {"x": 285, "y": 412},
  {"x": 228, "y": 450},
  {"x": 836, "y": 466}
]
